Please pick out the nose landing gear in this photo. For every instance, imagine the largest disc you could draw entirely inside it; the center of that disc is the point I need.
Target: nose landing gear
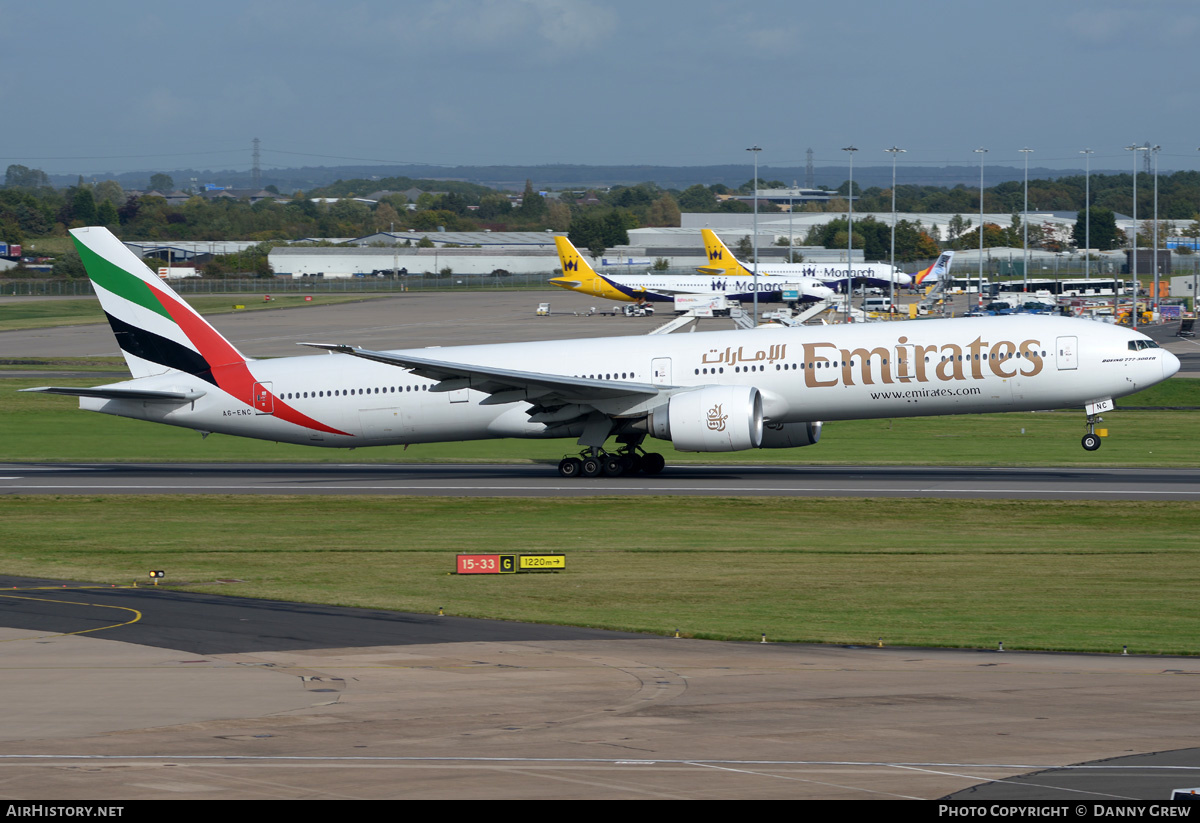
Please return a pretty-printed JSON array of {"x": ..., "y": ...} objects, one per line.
[{"x": 1091, "y": 440}]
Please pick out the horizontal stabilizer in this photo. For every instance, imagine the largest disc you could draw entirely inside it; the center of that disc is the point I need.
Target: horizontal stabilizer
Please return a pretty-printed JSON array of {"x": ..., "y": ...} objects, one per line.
[{"x": 122, "y": 394}]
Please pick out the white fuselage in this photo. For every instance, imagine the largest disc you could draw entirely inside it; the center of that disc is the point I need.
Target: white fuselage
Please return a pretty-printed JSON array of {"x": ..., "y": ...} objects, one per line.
[
  {"x": 832, "y": 274},
  {"x": 857, "y": 371},
  {"x": 663, "y": 288}
]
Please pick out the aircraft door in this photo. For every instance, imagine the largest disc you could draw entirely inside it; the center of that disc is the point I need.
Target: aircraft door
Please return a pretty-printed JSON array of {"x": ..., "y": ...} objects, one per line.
[
  {"x": 263, "y": 401},
  {"x": 1068, "y": 353},
  {"x": 906, "y": 371},
  {"x": 660, "y": 371}
]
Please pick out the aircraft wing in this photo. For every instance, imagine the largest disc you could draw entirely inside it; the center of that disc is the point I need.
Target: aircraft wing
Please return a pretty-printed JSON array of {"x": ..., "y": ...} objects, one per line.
[
  {"x": 113, "y": 393},
  {"x": 504, "y": 385}
]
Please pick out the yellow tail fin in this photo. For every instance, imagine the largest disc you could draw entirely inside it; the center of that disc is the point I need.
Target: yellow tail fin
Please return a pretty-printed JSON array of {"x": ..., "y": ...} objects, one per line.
[
  {"x": 720, "y": 259},
  {"x": 573, "y": 265}
]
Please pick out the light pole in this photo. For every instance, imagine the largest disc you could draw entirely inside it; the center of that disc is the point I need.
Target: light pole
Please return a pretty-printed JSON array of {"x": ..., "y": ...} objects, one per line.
[
  {"x": 1133, "y": 266},
  {"x": 791, "y": 212},
  {"x": 1155, "y": 150},
  {"x": 850, "y": 232},
  {"x": 755, "y": 150},
  {"x": 1087, "y": 214},
  {"x": 1025, "y": 221},
  {"x": 893, "y": 151},
  {"x": 981, "y": 152}
]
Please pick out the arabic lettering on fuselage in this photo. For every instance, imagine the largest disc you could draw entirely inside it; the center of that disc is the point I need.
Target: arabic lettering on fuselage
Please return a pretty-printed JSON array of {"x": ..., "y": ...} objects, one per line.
[
  {"x": 732, "y": 356},
  {"x": 904, "y": 363}
]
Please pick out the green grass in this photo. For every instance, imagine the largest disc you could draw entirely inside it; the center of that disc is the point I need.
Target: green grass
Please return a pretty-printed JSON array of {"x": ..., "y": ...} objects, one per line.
[
  {"x": 1178, "y": 391},
  {"x": 72, "y": 364},
  {"x": 48, "y": 246},
  {"x": 1034, "y": 574},
  {"x": 39, "y": 314}
]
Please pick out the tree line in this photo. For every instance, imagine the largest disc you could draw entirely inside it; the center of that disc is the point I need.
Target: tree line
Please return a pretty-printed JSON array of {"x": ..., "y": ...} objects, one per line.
[{"x": 595, "y": 219}]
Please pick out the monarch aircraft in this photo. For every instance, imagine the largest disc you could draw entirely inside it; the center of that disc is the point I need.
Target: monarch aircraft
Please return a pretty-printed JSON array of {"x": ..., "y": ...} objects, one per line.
[
  {"x": 579, "y": 276},
  {"x": 705, "y": 392},
  {"x": 722, "y": 263}
]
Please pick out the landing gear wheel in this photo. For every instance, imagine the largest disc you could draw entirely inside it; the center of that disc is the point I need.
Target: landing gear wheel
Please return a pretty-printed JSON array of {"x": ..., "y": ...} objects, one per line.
[
  {"x": 591, "y": 467},
  {"x": 653, "y": 463},
  {"x": 612, "y": 466},
  {"x": 570, "y": 466},
  {"x": 1091, "y": 442}
]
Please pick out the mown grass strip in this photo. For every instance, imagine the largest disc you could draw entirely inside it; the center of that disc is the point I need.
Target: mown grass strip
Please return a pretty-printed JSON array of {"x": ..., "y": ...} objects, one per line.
[
  {"x": 1036, "y": 575},
  {"x": 40, "y": 314}
]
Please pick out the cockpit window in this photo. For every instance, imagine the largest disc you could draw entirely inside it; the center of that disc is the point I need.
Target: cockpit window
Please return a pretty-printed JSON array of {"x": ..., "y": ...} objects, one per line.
[{"x": 1138, "y": 345}]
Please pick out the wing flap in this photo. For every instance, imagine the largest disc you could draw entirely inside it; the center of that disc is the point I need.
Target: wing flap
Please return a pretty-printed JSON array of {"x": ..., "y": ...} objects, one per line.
[{"x": 495, "y": 381}]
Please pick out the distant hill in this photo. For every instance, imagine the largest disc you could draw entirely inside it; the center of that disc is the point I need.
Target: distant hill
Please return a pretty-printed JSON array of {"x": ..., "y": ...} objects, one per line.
[{"x": 512, "y": 178}]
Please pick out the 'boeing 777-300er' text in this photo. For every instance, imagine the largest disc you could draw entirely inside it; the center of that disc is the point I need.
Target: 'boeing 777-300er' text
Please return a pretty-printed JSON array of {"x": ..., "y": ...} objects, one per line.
[{"x": 705, "y": 392}]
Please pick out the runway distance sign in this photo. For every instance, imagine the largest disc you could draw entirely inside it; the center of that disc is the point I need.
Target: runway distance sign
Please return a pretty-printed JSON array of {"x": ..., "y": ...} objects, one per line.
[
  {"x": 487, "y": 563},
  {"x": 542, "y": 562},
  {"x": 509, "y": 563}
]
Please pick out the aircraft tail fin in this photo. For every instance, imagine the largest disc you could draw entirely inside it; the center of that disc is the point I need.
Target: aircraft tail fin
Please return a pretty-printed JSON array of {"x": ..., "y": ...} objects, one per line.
[
  {"x": 720, "y": 259},
  {"x": 576, "y": 271},
  {"x": 939, "y": 269},
  {"x": 156, "y": 330}
]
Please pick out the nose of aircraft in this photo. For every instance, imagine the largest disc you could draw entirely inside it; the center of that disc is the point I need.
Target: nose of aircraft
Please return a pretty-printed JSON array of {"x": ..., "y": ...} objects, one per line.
[
  {"x": 903, "y": 279},
  {"x": 1170, "y": 364}
]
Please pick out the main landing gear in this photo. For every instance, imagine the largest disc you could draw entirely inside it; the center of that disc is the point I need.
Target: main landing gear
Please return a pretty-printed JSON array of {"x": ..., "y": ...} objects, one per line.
[
  {"x": 1091, "y": 440},
  {"x": 594, "y": 462}
]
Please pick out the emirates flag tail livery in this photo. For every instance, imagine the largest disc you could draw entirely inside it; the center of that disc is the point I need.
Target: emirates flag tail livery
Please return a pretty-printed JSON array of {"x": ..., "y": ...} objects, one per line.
[
  {"x": 706, "y": 392},
  {"x": 722, "y": 263},
  {"x": 579, "y": 276}
]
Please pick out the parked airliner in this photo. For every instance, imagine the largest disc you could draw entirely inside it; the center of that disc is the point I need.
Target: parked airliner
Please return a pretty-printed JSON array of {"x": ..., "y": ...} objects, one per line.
[
  {"x": 722, "y": 263},
  {"x": 579, "y": 276},
  {"x": 938, "y": 270},
  {"x": 705, "y": 392}
]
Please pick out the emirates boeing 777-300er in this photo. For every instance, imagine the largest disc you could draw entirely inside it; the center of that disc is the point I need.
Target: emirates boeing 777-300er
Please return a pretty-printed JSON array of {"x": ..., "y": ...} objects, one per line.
[{"x": 767, "y": 388}]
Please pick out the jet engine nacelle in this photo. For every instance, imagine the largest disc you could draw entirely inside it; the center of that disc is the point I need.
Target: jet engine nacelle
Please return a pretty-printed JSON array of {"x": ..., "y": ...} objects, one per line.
[
  {"x": 790, "y": 435},
  {"x": 712, "y": 419}
]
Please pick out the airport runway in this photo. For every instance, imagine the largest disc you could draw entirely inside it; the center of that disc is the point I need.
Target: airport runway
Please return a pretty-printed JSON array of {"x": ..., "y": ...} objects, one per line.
[
  {"x": 118, "y": 694},
  {"x": 543, "y": 481}
]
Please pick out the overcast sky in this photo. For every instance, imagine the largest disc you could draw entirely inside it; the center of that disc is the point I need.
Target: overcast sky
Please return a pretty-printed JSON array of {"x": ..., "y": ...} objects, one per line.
[{"x": 135, "y": 85}]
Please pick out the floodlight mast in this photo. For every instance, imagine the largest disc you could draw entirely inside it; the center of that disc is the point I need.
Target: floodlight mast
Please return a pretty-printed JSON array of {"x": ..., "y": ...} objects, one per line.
[
  {"x": 755, "y": 150},
  {"x": 893, "y": 151},
  {"x": 981, "y": 152},
  {"x": 1025, "y": 221},
  {"x": 1155, "y": 150},
  {"x": 1133, "y": 247},
  {"x": 850, "y": 233},
  {"x": 1087, "y": 214}
]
